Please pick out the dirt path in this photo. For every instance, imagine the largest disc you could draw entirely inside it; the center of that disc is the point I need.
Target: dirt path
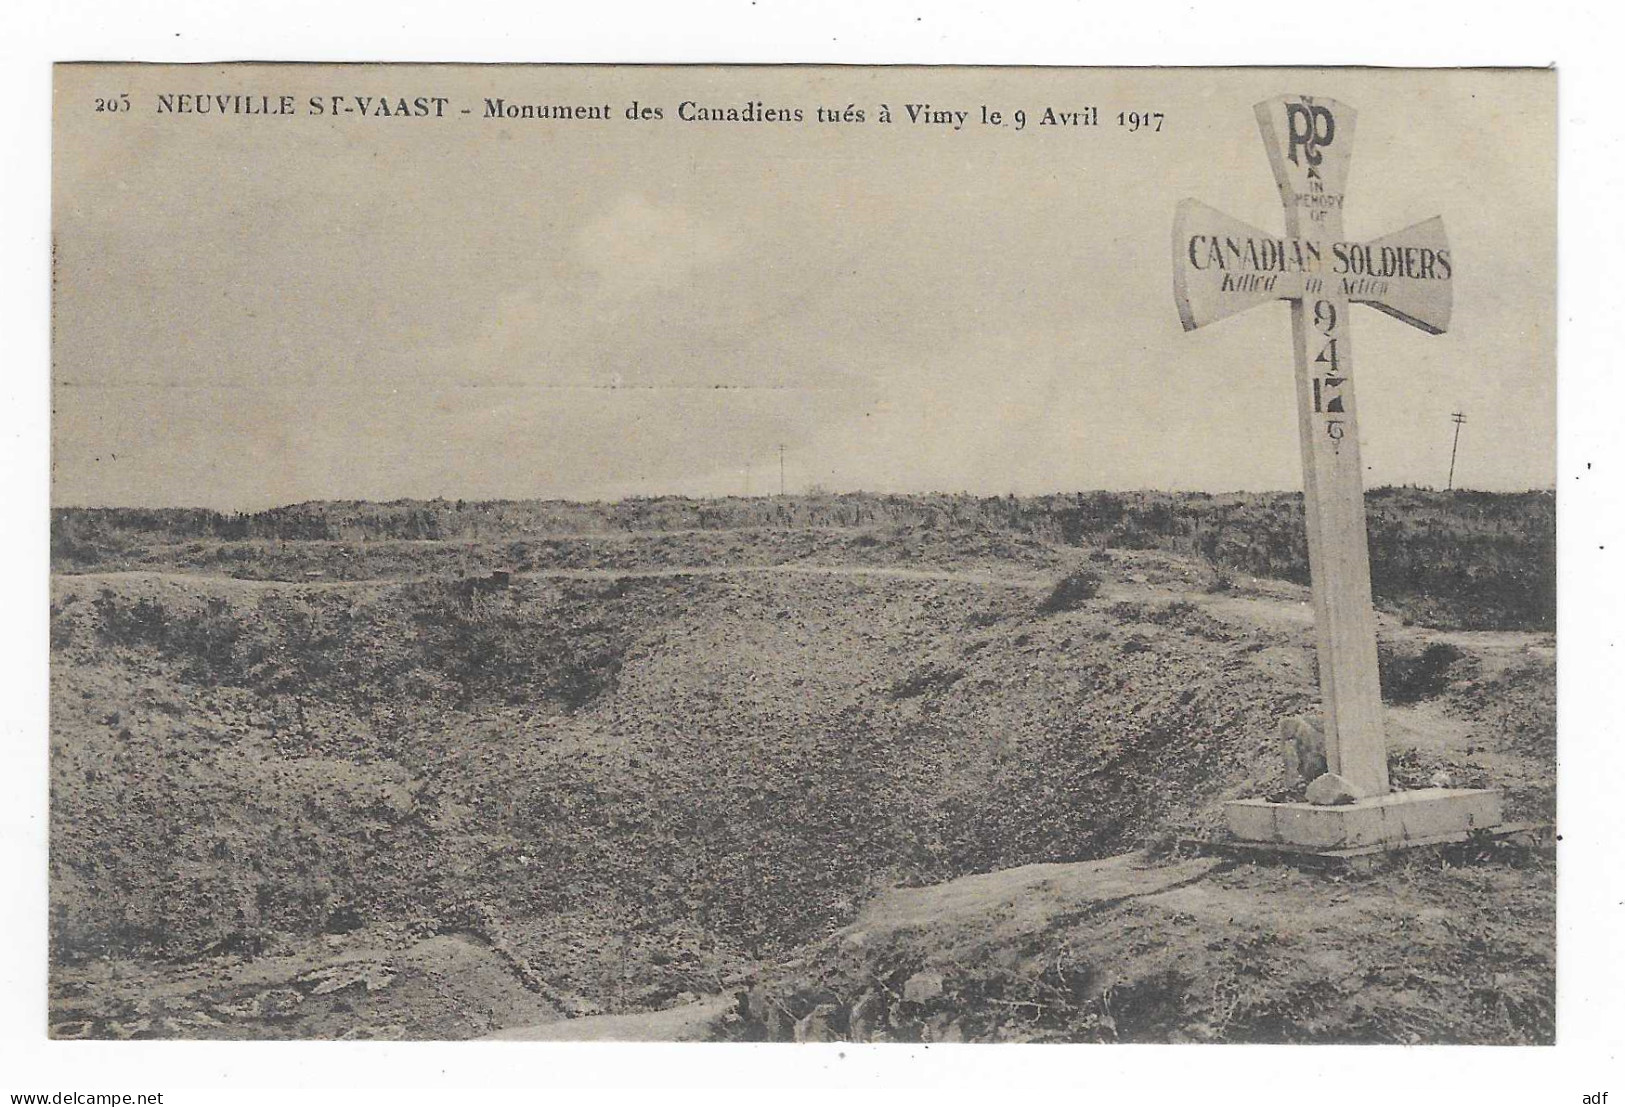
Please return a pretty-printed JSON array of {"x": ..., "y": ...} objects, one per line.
[
  {"x": 1289, "y": 612},
  {"x": 692, "y": 1022}
]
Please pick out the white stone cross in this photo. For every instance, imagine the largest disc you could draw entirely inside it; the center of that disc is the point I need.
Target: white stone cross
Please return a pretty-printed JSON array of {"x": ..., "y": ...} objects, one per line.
[{"x": 1223, "y": 266}]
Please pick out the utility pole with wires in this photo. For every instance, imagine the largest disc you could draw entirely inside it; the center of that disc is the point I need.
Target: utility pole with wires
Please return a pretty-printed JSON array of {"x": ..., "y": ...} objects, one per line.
[{"x": 1459, "y": 419}]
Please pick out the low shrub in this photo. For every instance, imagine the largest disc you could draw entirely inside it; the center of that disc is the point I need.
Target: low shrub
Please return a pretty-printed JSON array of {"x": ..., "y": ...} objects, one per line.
[
  {"x": 1071, "y": 591},
  {"x": 1410, "y": 676}
]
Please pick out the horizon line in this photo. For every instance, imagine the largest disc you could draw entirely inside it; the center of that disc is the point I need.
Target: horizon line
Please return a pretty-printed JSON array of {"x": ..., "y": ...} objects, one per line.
[{"x": 769, "y": 496}]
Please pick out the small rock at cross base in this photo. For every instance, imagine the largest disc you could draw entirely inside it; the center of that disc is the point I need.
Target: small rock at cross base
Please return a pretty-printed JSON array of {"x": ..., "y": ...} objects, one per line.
[
  {"x": 1330, "y": 790},
  {"x": 1303, "y": 743}
]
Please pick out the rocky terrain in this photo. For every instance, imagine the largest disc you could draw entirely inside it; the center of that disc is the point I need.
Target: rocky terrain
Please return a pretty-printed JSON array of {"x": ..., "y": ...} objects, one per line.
[{"x": 767, "y": 781}]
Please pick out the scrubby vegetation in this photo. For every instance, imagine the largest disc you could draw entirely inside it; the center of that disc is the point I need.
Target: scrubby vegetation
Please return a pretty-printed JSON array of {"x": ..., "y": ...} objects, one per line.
[
  {"x": 1071, "y": 590},
  {"x": 759, "y": 810},
  {"x": 1410, "y": 675},
  {"x": 1468, "y": 560},
  {"x": 673, "y": 754}
]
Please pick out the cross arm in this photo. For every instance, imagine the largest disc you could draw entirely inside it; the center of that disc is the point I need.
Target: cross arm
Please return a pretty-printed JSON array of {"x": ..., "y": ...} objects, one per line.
[
  {"x": 1407, "y": 275},
  {"x": 1223, "y": 266}
]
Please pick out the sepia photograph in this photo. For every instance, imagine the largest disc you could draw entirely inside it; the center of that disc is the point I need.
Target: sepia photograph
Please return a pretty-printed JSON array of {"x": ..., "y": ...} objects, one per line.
[{"x": 803, "y": 554}]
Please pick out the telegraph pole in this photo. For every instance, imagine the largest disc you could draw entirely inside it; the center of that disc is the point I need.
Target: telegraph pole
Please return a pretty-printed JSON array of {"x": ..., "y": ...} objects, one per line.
[
  {"x": 1459, "y": 419},
  {"x": 781, "y": 468}
]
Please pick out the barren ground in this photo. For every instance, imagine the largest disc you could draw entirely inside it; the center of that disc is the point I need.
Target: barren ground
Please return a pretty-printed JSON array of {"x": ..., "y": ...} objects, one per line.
[{"x": 842, "y": 784}]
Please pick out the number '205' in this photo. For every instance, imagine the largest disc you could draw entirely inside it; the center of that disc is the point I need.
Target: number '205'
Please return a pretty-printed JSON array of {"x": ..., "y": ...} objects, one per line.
[{"x": 121, "y": 102}]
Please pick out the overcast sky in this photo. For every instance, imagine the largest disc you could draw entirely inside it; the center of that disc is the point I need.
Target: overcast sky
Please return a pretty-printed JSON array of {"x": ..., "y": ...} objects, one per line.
[{"x": 261, "y": 310}]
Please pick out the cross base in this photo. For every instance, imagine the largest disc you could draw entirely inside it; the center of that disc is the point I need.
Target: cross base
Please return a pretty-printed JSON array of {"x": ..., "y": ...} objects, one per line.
[{"x": 1388, "y": 821}]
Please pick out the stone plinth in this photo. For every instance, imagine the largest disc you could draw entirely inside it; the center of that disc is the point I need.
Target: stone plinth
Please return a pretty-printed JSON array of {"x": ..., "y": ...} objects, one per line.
[{"x": 1394, "y": 819}]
